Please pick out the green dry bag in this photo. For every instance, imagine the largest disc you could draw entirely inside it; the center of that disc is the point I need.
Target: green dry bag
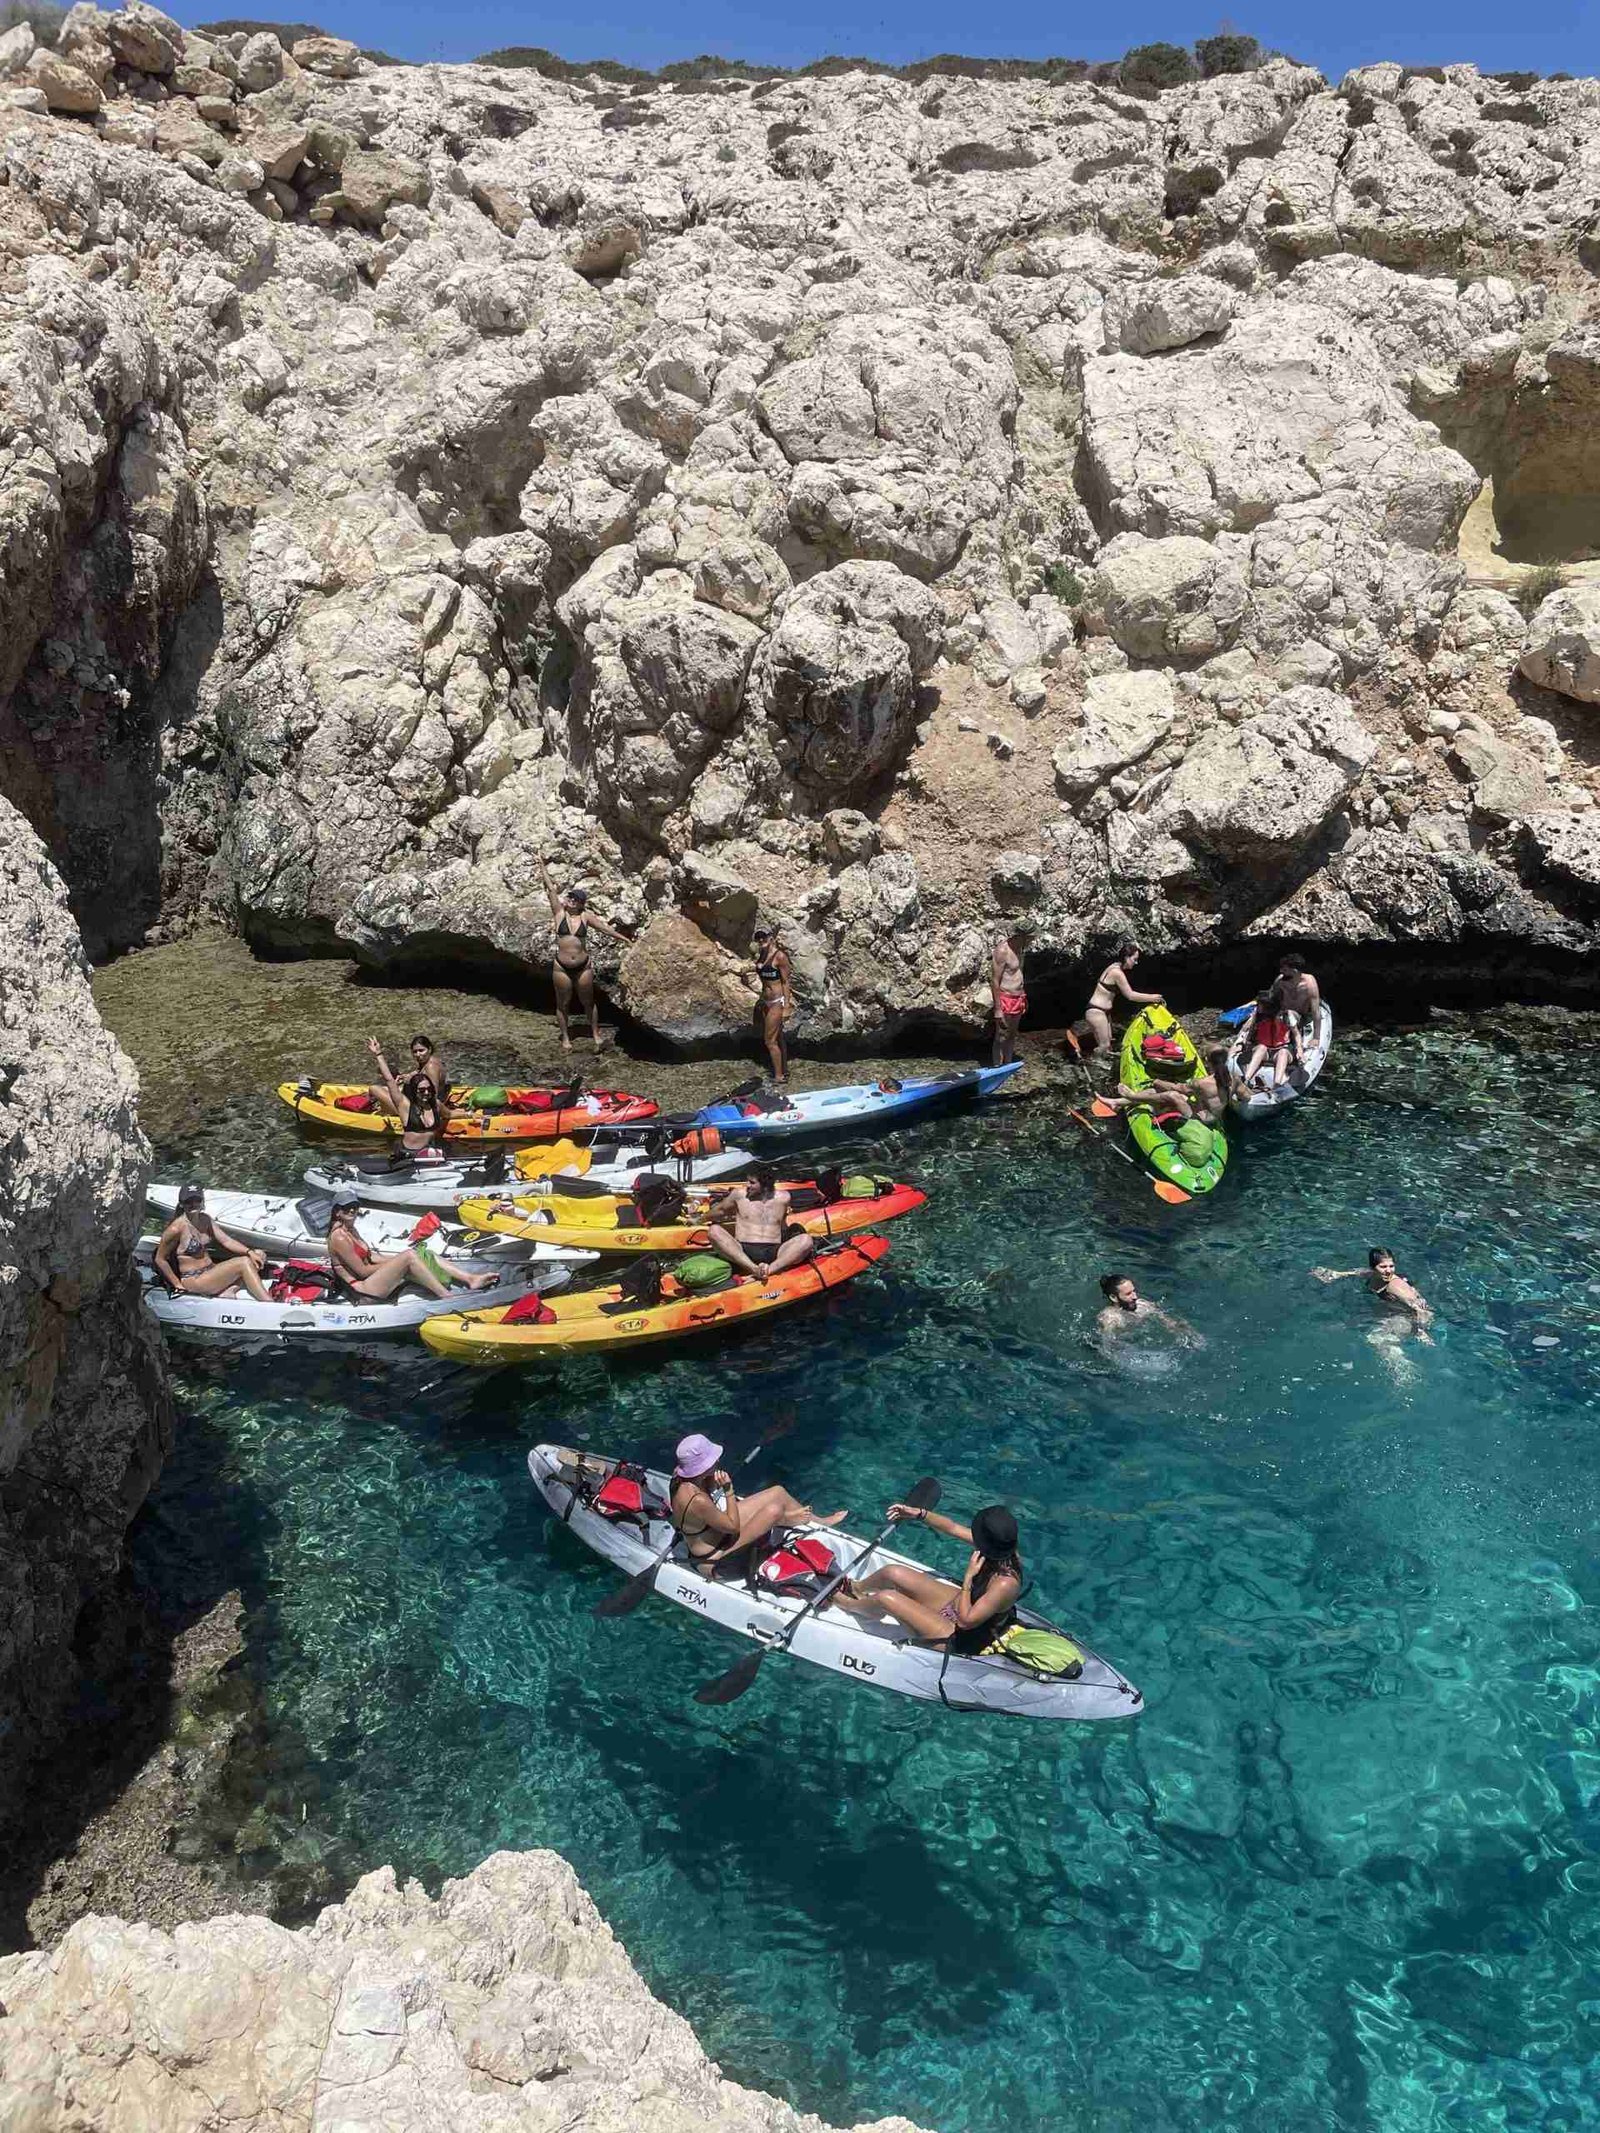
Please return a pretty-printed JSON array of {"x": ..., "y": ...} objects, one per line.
[
  {"x": 1196, "y": 1143},
  {"x": 702, "y": 1271},
  {"x": 1043, "y": 1652}
]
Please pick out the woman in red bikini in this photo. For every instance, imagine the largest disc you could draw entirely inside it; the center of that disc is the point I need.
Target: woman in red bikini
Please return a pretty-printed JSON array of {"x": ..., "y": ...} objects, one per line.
[
  {"x": 1010, "y": 993},
  {"x": 374, "y": 1278}
]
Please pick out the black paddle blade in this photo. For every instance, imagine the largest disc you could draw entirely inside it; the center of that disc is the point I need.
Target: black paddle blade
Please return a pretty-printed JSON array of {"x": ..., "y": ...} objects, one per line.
[
  {"x": 729, "y": 1687},
  {"x": 925, "y": 1496},
  {"x": 626, "y": 1597}
]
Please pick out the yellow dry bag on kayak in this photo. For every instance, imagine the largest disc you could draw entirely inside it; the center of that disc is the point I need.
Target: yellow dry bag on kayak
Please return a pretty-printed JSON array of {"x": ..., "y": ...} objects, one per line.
[{"x": 1042, "y": 1651}]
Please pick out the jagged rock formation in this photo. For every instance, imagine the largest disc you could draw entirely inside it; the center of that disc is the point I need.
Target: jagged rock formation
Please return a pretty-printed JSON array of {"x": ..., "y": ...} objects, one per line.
[
  {"x": 504, "y": 2007},
  {"x": 83, "y": 1411},
  {"x": 880, "y": 504}
]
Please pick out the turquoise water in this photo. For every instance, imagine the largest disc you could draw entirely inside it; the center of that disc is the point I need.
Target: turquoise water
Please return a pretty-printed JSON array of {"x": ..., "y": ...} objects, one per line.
[{"x": 1343, "y": 1871}]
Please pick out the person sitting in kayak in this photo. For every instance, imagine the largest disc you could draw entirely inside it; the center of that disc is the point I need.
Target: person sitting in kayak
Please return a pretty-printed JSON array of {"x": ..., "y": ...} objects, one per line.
[
  {"x": 758, "y": 1211},
  {"x": 425, "y": 1060},
  {"x": 377, "y": 1279},
  {"x": 417, "y": 1103},
  {"x": 964, "y": 1618},
  {"x": 713, "y": 1520},
  {"x": 1405, "y": 1300},
  {"x": 1274, "y": 1034},
  {"x": 1010, "y": 993},
  {"x": 1203, "y": 1097},
  {"x": 1126, "y": 1308},
  {"x": 186, "y": 1254},
  {"x": 1112, "y": 985}
]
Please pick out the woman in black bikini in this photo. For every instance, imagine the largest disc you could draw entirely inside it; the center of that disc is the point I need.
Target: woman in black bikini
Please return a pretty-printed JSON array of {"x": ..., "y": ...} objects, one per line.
[
  {"x": 415, "y": 1102},
  {"x": 572, "y": 970},
  {"x": 775, "y": 979},
  {"x": 964, "y": 1618},
  {"x": 713, "y": 1520}
]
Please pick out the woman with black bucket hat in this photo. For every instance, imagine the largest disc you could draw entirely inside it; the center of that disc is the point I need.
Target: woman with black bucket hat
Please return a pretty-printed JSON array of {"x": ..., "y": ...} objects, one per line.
[{"x": 962, "y": 1618}]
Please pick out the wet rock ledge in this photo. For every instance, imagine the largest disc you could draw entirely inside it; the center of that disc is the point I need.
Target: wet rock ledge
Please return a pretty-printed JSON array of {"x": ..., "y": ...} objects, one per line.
[{"x": 506, "y": 2006}]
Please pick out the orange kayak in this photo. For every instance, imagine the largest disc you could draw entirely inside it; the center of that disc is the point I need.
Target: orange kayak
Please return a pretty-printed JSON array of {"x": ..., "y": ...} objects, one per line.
[{"x": 580, "y": 1323}]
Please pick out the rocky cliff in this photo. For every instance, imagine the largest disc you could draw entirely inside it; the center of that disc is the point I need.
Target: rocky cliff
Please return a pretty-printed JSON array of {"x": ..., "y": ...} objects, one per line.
[
  {"x": 83, "y": 1410},
  {"x": 504, "y": 2007},
  {"x": 882, "y": 504}
]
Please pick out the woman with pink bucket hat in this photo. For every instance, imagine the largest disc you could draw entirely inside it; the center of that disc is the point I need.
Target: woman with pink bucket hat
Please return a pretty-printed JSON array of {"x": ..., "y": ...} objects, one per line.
[{"x": 710, "y": 1516}]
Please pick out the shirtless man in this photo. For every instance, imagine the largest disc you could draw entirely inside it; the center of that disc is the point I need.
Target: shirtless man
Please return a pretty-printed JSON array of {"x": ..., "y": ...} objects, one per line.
[
  {"x": 1300, "y": 992},
  {"x": 185, "y": 1254},
  {"x": 1112, "y": 985},
  {"x": 756, "y": 1243},
  {"x": 1010, "y": 992},
  {"x": 1126, "y": 1308},
  {"x": 1205, "y": 1097}
]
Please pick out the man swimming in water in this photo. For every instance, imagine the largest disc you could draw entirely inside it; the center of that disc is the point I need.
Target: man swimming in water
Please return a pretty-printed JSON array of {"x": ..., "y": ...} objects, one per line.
[{"x": 1126, "y": 1308}]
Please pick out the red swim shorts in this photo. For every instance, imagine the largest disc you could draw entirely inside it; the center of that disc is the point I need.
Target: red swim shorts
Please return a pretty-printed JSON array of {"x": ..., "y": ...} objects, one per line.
[{"x": 1014, "y": 1005}]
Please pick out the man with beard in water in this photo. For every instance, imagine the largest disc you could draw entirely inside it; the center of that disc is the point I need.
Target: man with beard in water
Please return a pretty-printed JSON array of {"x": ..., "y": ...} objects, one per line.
[{"x": 1125, "y": 1309}]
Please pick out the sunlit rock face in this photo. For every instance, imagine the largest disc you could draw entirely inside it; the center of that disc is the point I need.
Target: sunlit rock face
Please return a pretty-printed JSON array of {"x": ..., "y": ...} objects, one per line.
[{"x": 407, "y": 473}]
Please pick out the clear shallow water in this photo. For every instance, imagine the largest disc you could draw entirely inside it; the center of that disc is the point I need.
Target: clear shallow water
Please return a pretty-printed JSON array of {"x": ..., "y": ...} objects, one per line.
[{"x": 1342, "y": 1872}]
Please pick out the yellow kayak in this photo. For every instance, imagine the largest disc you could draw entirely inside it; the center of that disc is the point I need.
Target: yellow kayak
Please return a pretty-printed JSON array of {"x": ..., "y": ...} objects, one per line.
[
  {"x": 581, "y": 1322},
  {"x": 608, "y": 1222}
]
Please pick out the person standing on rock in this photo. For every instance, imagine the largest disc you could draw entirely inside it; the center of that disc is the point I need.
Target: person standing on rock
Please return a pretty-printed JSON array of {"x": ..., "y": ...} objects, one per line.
[
  {"x": 774, "y": 1007},
  {"x": 572, "y": 971},
  {"x": 1009, "y": 989},
  {"x": 1112, "y": 985}
]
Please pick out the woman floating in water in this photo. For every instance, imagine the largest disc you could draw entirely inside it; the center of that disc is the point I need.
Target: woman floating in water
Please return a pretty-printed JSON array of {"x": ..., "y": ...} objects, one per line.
[{"x": 1407, "y": 1313}]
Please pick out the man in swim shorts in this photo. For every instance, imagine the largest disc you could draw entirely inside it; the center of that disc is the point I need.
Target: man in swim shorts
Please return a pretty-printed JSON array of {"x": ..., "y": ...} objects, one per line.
[
  {"x": 756, "y": 1243},
  {"x": 1010, "y": 991}
]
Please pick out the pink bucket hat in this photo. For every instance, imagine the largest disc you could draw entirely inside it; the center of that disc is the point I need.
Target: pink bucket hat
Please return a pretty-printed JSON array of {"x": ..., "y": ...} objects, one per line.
[{"x": 696, "y": 1455}]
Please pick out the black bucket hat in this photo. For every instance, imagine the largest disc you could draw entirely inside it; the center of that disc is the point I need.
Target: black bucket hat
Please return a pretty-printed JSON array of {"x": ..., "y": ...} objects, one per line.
[{"x": 994, "y": 1532}]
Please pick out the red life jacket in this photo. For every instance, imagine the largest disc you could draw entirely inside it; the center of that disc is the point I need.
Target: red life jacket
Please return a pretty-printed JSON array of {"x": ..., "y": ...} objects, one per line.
[
  {"x": 529, "y": 1311},
  {"x": 799, "y": 1565}
]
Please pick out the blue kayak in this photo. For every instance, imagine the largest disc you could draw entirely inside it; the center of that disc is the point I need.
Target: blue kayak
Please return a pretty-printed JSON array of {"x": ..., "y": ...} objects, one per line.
[{"x": 865, "y": 1104}]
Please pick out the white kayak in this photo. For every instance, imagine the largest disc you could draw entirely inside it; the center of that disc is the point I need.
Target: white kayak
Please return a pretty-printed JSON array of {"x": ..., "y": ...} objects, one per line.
[
  {"x": 860, "y": 1648},
  {"x": 439, "y": 1188},
  {"x": 349, "y": 1318},
  {"x": 1256, "y": 1101},
  {"x": 288, "y": 1228}
]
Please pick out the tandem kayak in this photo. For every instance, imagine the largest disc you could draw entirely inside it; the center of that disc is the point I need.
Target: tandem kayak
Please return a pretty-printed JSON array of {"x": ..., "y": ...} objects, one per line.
[
  {"x": 859, "y": 1648},
  {"x": 583, "y": 1323},
  {"x": 288, "y": 1228},
  {"x": 610, "y": 1224},
  {"x": 1158, "y": 1140},
  {"x": 439, "y": 1188},
  {"x": 870, "y": 1105},
  {"x": 349, "y": 1318},
  {"x": 1256, "y": 1102},
  {"x": 325, "y": 1104}
]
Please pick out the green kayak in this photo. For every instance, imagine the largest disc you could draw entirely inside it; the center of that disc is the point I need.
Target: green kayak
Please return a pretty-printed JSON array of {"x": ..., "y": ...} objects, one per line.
[{"x": 1172, "y": 1151}]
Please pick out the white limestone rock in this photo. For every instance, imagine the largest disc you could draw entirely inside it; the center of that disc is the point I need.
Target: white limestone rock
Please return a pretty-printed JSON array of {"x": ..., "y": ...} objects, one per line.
[
  {"x": 1561, "y": 649},
  {"x": 1178, "y": 598}
]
